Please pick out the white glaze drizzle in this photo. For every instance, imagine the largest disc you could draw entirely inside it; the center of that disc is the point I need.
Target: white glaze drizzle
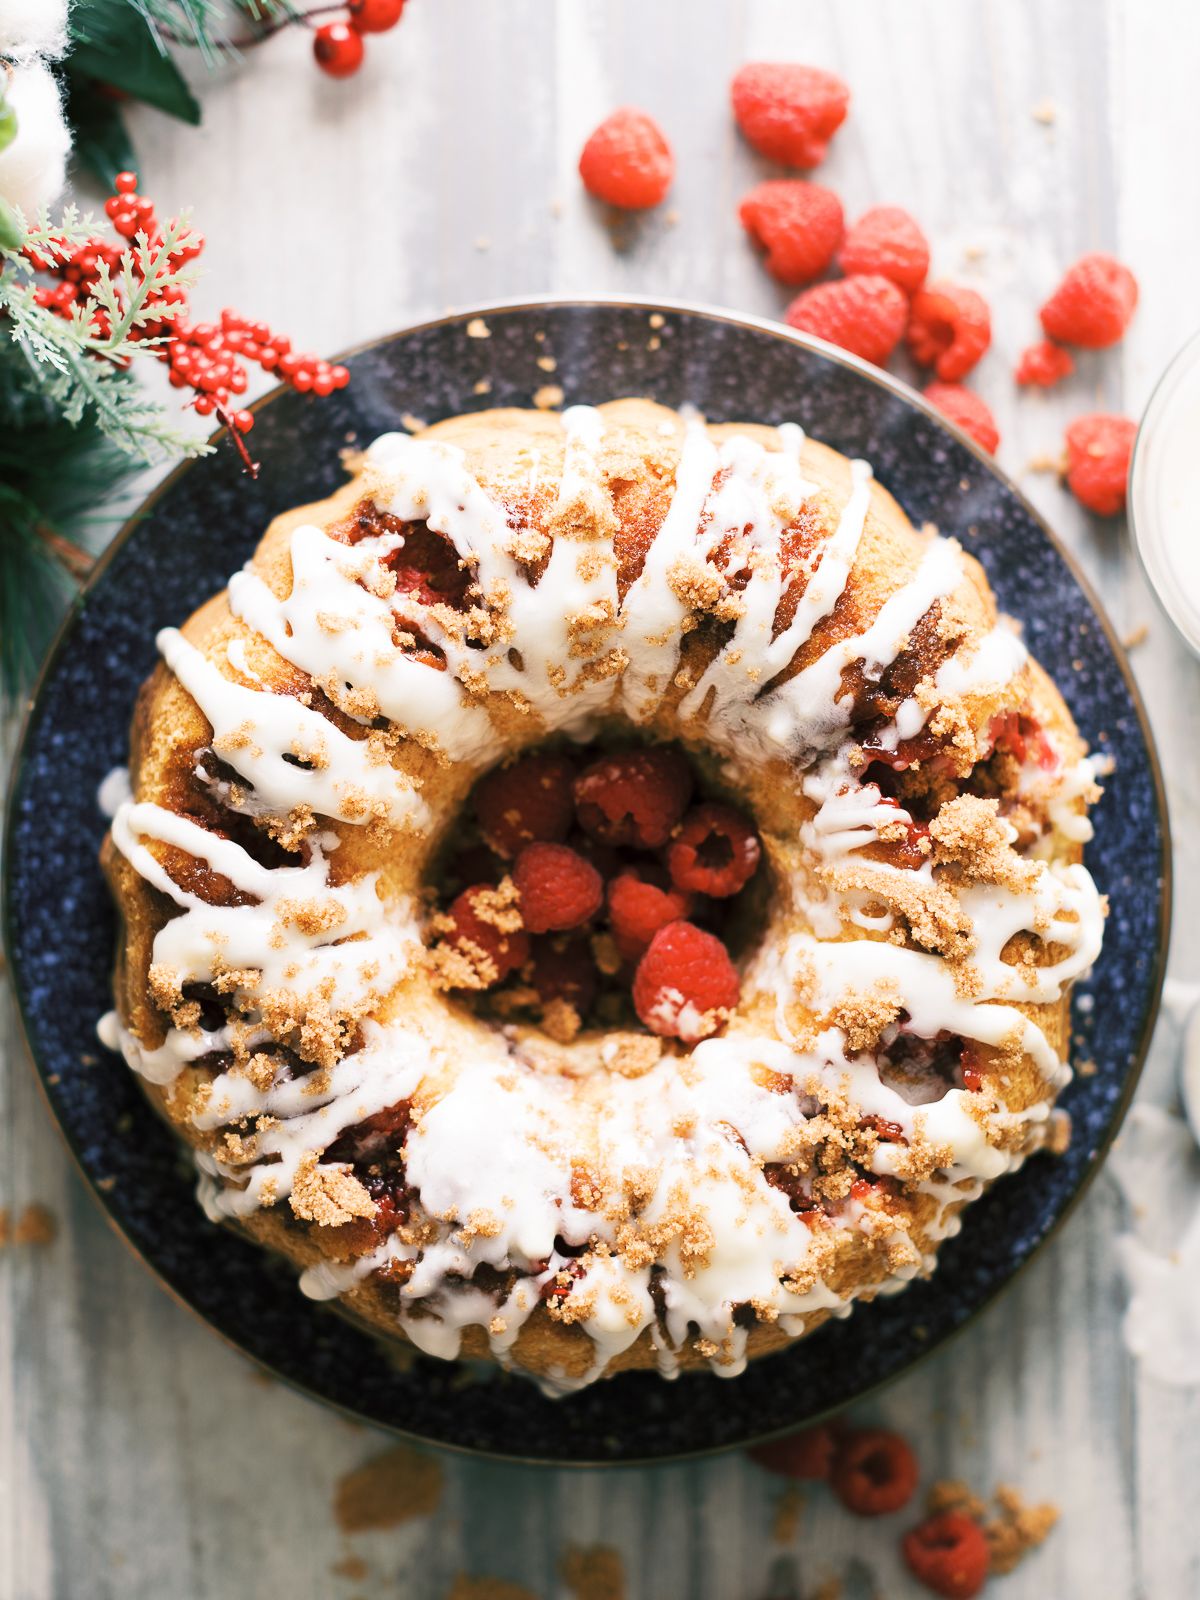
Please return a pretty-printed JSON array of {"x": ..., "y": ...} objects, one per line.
[{"x": 501, "y": 1136}]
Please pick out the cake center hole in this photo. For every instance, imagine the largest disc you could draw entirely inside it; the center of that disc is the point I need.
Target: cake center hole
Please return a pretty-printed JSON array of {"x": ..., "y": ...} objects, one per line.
[{"x": 604, "y": 887}]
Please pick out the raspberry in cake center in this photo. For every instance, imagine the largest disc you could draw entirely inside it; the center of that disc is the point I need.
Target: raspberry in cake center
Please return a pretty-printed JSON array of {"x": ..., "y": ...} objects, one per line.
[{"x": 597, "y": 887}]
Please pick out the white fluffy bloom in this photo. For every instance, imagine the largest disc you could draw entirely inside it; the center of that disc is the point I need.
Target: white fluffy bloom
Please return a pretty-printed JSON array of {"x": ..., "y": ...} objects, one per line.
[
  {"x": 33, "y": 28},
  {"x": 33, "y": 168}
]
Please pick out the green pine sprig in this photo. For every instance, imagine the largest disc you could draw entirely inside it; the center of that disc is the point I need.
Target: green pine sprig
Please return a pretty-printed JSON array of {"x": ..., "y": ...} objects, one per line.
[{"x": 81, "y": 370}]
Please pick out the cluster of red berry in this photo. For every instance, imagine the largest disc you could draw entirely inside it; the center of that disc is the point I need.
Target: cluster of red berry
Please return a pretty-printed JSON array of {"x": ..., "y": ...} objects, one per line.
[
  {"x": 338, "y": 46},
  {"x": 874, "y": 1472},
  {"x": 615, "y": 849},
  {"x": 206, "y": 357},
  {"x": 789, "y": 112}
]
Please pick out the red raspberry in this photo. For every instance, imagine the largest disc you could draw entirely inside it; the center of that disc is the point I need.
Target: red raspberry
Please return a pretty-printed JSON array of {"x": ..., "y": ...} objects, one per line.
[
  {"x": 1093, "y": 303},
  {"x": 967, "y": 411},
  {"x": 564, "y": 969},
  {"x": 874, "y": 1472},
  {"x": 949, "y": 328},
  {"x": 638, "y": 907},
  {"x": 789, "y": 112},
  {"x": 530, "y": 800},
  {"x": 948, "y": 1554},
  {"x": 633, "y": 797},
  {"x": 865, "y": 315},
  {"x": 798, "y": 224},
  {"x": 886, "y": 241},
  {"x": 627, "y": 161},
  {"x": 807, "y": 1454},
  {"x": 716, "y": 851},
  {"x": 558, "y": 888},
  {"x": 1098, "y": 451},
  {"x": 685, "y": 983},
  {"x": 1044, "y": 364},
  {"x": 477, "y": 937}
]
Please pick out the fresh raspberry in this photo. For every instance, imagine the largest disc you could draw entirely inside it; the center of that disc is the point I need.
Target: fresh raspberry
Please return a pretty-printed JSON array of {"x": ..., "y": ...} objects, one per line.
[
  {"x": 874, "y": 1472},
  {"x": 564, "y": 969},
  {"x": 1093, "y": 303},
  {"x": 685, "y": 984},
  {"x": 798, "y": 224},
  {"x": 948, "y": 1554},
  {"x": 1044, "y": 364},
  {"x": 967, "y": 411},
  {"x": 526, "y": 802},
  {"x": 1098, "y": 451},
  {"x": 716, "y": 851},
  {"x": 807, "y": 1454},
  {"x": 949, "y": 328},
  {"x": 633, "y": 797},
  {"x": 638, "y": 907},
  {"x": 789, "y": 112},
  {"x": 627, "y": 161},
  {"x": 477, "y": 937},
  {"x": 558, "y": 889},
  {"x": 865, "y": 315},
  {"x": 886, "y": 241}
]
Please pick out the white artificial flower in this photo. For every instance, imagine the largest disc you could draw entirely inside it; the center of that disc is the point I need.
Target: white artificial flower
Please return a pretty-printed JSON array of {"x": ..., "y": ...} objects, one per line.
[
  {"x": 33, "y": 28},
  {"x": 33, "y": 168}
]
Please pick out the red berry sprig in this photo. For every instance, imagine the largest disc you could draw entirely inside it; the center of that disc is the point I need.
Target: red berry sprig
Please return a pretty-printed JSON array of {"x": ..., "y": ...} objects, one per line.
[
  {"x": 209, "y": 358},
  {"x": 338, "y": 47}
]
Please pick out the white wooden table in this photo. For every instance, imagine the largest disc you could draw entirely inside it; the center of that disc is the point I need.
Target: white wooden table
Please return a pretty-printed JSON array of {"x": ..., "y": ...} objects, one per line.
[{"x": 142, "y": 1458}]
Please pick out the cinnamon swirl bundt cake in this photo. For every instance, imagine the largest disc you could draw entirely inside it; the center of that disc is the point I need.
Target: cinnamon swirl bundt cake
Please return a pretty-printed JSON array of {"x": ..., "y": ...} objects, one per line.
[{"x": 601, "y": 891}]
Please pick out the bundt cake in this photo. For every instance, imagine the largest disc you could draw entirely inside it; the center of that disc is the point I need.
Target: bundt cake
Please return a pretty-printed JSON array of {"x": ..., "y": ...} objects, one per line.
[{"x": 601, "y": 890}]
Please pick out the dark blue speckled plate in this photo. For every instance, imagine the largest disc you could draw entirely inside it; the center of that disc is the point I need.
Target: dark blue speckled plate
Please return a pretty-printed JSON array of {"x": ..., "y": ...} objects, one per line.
[{"x": 204, "y": 522}]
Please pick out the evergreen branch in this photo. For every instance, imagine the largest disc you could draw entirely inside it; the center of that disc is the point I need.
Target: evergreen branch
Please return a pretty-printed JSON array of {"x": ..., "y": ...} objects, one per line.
[{"x": 203, "y": 24}]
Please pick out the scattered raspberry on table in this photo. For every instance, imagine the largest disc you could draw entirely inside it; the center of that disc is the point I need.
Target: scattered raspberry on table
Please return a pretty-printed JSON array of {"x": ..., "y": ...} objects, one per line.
[
  {"x": 798, "y": 224},
  {"x": 865, "y": 315},
  {"x": 1099, "y": 448},
  {"x": 949, "y": 328},
  {"x": 948, "y": 1553},
  {"x": 887, "y": 241},
  {"x": 789, "y": 112},
  {"x": 808, "y": 1454},
  {"x": 627, "y": 161},
  {"x": 1093, "y": 304},
  {"x": 1044, "y": 364},
  {"x": 967, "y": 411},
  {"x": 874, "y": 1472}
]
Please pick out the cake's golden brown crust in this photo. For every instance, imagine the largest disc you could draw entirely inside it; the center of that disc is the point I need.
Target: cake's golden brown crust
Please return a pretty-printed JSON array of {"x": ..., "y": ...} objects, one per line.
[{"x": 517, "y": 456}]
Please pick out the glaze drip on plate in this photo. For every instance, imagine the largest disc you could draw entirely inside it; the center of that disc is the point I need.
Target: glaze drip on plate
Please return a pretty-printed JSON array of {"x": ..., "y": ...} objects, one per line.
[{"x": 922, "y": 798}]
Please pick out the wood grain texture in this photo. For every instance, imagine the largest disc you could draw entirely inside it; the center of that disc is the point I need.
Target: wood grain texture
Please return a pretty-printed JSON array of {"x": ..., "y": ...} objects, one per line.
[{"x": 140, "y": 1456}]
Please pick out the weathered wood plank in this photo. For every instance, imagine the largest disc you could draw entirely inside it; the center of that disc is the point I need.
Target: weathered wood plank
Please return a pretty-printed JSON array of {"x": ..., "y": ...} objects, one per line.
[{"x": 140, "y": 1455}]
